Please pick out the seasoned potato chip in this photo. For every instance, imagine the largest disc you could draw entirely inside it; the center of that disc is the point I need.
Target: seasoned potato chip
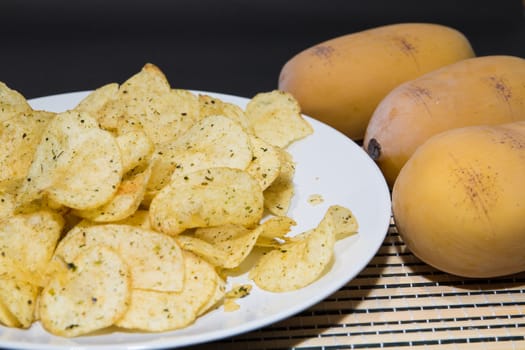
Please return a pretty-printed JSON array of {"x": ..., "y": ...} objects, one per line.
[
  {"x": 210, "y": 106},
  {"x": 11, "y": 103},
  {"x": 42, "y": 229},
  {"x": 278, "y": 196},
  {"x": 274, "y": 230},
  {"x": 235, "y": 241},
  {"x": 125, "y": 202},
  {"x": 155, "y": 260},
  {"x": 76, "y": 163},
  {"x": 136, "y": 150},
  {"x": 276, "y": 118},
  {"x": 202, "y": 248},
  {"x": 139, "y": 218},
  {"x": 164, "y": 113},
  {"x": 266, "y": 162},
  {"x": 298, "y": 263},
  {"x": 162, "y": 311},
  {"x": 343, "y": 221},
  {"x": 7, "y": 204},
  {"x": 216, "y": 298},
  {"x": 209, "y": 197},
  {"x": 18, "y": 294},
  {"x": 215, "y": 141},
  {"x": 19, "y": 137},
  {"x": 89, "y": 293},
  {"x": 103, "y": 105}
]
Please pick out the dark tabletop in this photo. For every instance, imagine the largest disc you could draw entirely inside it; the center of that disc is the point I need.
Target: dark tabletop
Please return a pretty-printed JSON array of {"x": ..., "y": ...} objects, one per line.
[{"x": 237, "y": 47}]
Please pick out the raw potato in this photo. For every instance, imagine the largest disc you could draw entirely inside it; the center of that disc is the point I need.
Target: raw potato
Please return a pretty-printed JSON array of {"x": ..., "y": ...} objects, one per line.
[
  {"x": 87, "y": 294},
  {"x": 459, "y": 202},
  {"x": 341, "y": 81},
  {"x": 481, "y": 90}
]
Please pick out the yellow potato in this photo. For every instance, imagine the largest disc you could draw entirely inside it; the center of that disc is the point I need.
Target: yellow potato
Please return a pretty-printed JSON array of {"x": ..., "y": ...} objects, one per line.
[
  {"x": 161, "y": 311},
  {"x": 209, "y": 197},
  {"x": 155, "y": 260},
  {"x": 276, "y": 118},
  {"x": 87, "y": 294}
]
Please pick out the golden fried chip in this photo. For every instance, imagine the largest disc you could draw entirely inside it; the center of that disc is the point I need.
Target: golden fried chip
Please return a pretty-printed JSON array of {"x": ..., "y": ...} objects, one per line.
[
  {"x": 210, "y": 106},
  {"x": 125, "y": 202},
  {"x": 103, "y": 105},
  {"x": 30, "y": 239},
  {"x": 7, "y": 204},
  {"x": 139, "y": 218},
  {"x": 209, "y": 197},
  {"x": 87, "y": 294},
  {"x": 300, "y": 262},
  {"x": 76, "y": 164},
  {"x": 164, "y": 113},
  {"x": 161, "y": 311},
  {"x": 266, "y": 162},
  {"x": 274, "y": 230},
  {"x": 136, "y": 150},
  {"x": 215, "y": 141},
  {"x": 235, "y": 241},
  {"x": 11, "y": 103},
  {"x": 202, "y": 248},
  {"x": 278, "y": 196},
  {"x": 18, "y": 294},
  {"x": 276, "y": 118},
  {"x": 343, "y": 221},
  {"x": 19, "y": 137},
  {"x": 155, "y": 259}
]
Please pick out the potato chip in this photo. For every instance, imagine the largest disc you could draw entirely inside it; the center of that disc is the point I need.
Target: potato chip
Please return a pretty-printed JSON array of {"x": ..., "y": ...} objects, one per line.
[
  {"x": 161, "y": 311},
  {"x": 42, "y": 229},
  {"x": 266, "y": 162},
  {"x": 210, "y": 106},
  {"x": 11, "y": 103},
  {"x": 89, "y": 293},
  {"x": 103, "y": 105},
  {"x": 164, "y": 113},
  {"x": 17, "y": 294},
  {"x": 139, "y": 218},
  {"x": 235, "y": 241},
  {"x": 276, "y": 118},
  {"x": 125, "y": 202},
  {"x": 215, "y": 141},
  {"x": 136, "y": 150},
  {"x": 343, "y": 221},
  {"x": 300, "y": 262},
  {"x": 7, "y": 204},
  {"x": 278, "y": 196},
  {"x": 19, "y": 137},
  {"x": 216, "y": 298},
  {"x": 210, "y": 197},
  {"x": 76, "y": 163},
  {"x": 273, "y": 231},
  {"x": 155, "y": 260},
  {"x": 202, "y": 248}
]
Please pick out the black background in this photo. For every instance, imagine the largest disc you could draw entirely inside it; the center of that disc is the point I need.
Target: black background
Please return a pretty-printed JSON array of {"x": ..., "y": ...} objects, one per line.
[{"x": 237, "y": 47}]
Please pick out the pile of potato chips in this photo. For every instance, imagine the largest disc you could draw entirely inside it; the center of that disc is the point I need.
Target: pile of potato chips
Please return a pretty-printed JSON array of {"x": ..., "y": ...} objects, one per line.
[{"x": 131, "y": 209}]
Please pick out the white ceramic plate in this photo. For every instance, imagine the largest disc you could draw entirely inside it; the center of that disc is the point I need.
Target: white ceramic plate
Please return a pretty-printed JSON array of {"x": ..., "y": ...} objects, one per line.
[{"x": 328, "y": 164}]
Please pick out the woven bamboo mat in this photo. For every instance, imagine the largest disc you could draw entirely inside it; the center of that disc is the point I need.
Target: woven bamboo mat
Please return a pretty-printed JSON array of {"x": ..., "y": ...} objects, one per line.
[{"x": 397, "y": 301}]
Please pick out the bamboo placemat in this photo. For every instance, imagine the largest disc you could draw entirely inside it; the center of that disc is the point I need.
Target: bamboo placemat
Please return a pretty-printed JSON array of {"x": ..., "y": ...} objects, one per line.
[{"x": 397, "y": 301}]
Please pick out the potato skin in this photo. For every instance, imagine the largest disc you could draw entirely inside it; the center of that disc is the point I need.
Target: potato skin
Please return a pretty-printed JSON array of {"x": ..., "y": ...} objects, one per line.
[
  {"x": 475, "y": 91},
  {"x": 459, "y": 202},
  {"x": 341, "y": 81}
]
